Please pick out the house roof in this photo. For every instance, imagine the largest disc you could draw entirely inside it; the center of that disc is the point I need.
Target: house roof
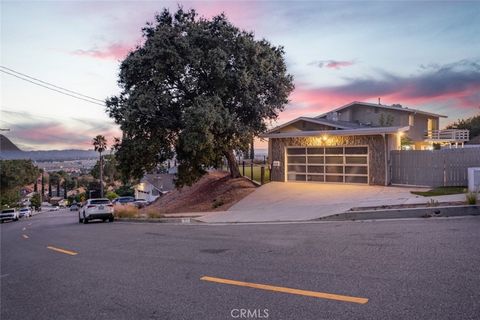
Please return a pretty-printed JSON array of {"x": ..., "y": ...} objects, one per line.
[
  {"x": 312, "y": 120},
  {"x": 404, "y": 109},
  {"x": 161, "y": 181},
  {"x": 347, "y": 132}
]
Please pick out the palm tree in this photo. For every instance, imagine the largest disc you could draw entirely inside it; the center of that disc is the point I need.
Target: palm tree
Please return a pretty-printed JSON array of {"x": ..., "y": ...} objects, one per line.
[{"x": 100, "y": 145}]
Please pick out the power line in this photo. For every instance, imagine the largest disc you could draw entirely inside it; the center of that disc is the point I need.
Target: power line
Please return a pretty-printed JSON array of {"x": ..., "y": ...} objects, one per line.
[
  {"x": 52, "y": 85},
  {"x": 53, "y": 89}
]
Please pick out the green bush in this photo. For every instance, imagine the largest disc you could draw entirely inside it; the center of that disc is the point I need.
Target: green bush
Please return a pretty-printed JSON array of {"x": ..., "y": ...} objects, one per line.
[
  {"x": 36, "y": 202},
  {"x": 471, "y": 197},
  {"x": 125, "y": 191},
  {"x": 111, "y": 195}
]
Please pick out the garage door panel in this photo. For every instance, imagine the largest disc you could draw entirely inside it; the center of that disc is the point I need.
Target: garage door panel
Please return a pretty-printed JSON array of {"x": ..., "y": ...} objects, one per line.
[
  {"x": 356, "y": 170},
  {"x": 316, "y": 159},
  {"x": 334, "y": 150},
  {"x": 297, "y": 168},
  {"x": 330, "y": 178},
  {"x": 316, "y": 169},
  {"x": 356, "y": 160},
  {"x": 295, "y": 151},
  {"x": 356, "y": 179},
  {"x": 347, "y": 164},
  {"x": 334, "y": 169},
  {"x": 296, "y": 159},
  {"x": 316, "y": 178}
]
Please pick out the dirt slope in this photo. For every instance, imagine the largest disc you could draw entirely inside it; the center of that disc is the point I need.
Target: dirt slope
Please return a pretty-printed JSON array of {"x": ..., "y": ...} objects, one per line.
[{"x": 216, "y": 191}]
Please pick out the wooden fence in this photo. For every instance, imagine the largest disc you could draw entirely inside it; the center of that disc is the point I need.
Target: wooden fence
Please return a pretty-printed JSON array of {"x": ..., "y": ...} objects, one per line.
[{"x": 447, "y": 167}]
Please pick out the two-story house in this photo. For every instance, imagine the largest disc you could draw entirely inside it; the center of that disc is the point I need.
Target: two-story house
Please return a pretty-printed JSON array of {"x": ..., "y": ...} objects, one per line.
[{"x": 352, "y": 144}]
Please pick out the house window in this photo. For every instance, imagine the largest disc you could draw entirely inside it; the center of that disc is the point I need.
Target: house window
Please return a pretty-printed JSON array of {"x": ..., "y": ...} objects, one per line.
[{"x": 411, "y": 120}]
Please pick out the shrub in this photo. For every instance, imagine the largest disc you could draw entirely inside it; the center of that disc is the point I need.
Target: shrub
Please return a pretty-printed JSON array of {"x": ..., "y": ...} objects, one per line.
[
  {"x": 432, "y": 203},
  {"x": 471, "y": 197},
  {"x": 125, "y": 211},
  {"x": 111, "y": 195},
  {"x": 153, "y": 213},
  {"x": 217, "y": 203}
]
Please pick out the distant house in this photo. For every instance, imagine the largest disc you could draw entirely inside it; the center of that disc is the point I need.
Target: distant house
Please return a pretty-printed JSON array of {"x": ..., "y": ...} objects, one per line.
[
  {"x": 151, "y": 186},
  {"x": 352, "y": 144}
]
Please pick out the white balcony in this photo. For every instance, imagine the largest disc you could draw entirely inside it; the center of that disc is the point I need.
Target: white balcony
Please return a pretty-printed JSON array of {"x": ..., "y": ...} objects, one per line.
[{"x": 449, "y": 135}]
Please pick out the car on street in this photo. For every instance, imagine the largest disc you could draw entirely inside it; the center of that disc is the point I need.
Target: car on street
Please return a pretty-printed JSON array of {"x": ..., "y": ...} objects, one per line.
[
  {"x": 124, "y": 200},
  {"x": 141, "y": 203},
  {"x": 74, "y": 207},
  {"x": 96, "y": 209},
  {"x": 25, "y": 212},
  {"x": 9, "y": 214},
  {"x": 55, "y": 208}
]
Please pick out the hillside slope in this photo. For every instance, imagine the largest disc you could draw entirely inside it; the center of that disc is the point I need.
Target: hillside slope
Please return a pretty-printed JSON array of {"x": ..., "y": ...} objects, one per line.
[
  {"x": 7, "y": 145},
  {"x": 216, "y": 191}
]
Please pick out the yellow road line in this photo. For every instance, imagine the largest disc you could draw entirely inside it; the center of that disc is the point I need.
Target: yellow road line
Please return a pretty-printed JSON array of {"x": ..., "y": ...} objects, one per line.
[
  {"x": 72, "y": 253},
  {"x": 25, "y": 236},
  {"x": 315, "y": 294}
]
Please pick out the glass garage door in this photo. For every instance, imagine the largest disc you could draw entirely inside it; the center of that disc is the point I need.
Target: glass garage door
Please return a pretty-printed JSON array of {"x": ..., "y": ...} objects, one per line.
[{"x": 328, "y": 164}]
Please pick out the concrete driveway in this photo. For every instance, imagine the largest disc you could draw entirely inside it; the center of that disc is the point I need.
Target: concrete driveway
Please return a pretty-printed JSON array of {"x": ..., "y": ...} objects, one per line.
[{"x": 290, "y": 201}]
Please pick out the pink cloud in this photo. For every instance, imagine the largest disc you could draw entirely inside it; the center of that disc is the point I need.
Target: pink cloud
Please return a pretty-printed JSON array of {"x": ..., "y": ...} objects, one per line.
[
  {"x": 332, "y": 64},
  {"x": 115, "y": 51}
]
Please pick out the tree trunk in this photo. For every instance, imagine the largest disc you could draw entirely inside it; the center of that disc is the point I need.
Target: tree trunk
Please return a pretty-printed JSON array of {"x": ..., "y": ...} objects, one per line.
[
  {"x": 101, "y": 175},
  {"x": 232, "y": 164},
  {"x": 43, "y": 189},
  {"x": 49, "y": 186}
]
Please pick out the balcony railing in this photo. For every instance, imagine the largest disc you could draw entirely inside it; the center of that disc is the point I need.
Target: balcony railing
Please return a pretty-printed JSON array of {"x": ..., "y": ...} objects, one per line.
[{"x": 449, "y": 135}]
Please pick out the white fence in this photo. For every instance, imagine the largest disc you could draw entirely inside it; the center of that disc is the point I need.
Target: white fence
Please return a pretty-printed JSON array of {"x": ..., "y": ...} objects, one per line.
[
  {"x": 434, "y": 168},
  {"x": 449, "y": 135}
]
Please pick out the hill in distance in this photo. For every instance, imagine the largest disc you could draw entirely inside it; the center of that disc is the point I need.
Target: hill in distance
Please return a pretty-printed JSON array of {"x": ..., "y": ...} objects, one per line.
[{"x": 9, "y": 151}]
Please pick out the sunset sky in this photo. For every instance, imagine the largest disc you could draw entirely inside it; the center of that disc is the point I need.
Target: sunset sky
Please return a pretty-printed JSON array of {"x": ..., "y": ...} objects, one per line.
[{"x": 420, "y": 54}]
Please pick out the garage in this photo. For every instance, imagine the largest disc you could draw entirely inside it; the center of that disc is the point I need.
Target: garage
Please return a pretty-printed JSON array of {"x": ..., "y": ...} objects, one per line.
[{"x": 338, "y": 164}]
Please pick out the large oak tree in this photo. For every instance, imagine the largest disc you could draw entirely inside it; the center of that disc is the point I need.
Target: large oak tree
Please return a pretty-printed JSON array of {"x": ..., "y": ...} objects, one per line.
[{"x": 198, "y": 90}]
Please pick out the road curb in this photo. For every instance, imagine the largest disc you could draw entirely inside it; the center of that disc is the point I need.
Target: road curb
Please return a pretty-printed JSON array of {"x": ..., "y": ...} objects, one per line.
[{"x": 445, "y": 211}]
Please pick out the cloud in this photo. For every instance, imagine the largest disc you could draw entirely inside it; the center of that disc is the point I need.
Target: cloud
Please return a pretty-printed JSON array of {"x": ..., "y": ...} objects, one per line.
[
  {"x": 457, "y": 84},
  {"x": 332, "y": 64},
  {"x": 42, "y": 133},
  {"x": 113, "y": 51}
]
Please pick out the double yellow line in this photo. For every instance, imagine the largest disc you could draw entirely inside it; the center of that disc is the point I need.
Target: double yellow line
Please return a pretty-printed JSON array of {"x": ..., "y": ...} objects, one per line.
[{"x": 315, "y": 294}]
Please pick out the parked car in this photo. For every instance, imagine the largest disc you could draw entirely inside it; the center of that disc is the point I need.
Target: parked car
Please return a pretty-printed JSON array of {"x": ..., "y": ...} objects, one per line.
[
  {"x": 25, "y": 212},
  {"x": 74, "y": 207},
  {"x": 9, "y": 214},
  {"x": 93, "y": 209},
  {"x": 54, "y": 208},
  {"x": 141, "y": 203},
  {"x": 124, "y": 200}
]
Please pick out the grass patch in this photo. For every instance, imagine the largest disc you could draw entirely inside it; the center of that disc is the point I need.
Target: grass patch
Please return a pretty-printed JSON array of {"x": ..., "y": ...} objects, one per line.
[
  {"x": 153, "y": 213},
  {"x": 440, "y": 191},
  {"x": 125, "y": 211},
  {"x": 256, "y": 173},
  {"x": 471, "y": 197}
]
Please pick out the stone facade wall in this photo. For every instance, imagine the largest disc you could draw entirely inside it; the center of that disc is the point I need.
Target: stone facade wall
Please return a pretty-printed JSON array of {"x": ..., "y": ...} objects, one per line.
[{"x": 376, "y": 157}]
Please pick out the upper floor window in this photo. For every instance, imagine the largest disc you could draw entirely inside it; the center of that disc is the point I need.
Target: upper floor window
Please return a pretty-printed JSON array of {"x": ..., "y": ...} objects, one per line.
[{"x": 411, "y": 120}]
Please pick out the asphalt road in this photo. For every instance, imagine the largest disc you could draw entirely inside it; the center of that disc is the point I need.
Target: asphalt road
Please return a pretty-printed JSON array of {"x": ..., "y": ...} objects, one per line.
[{"x": 411, "y": 269}]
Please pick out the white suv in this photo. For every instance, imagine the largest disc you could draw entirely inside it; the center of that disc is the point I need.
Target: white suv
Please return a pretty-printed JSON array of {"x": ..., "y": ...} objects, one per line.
[
  {"x": 9, "y": 214},
  {"x": 96, "y": 209}
]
